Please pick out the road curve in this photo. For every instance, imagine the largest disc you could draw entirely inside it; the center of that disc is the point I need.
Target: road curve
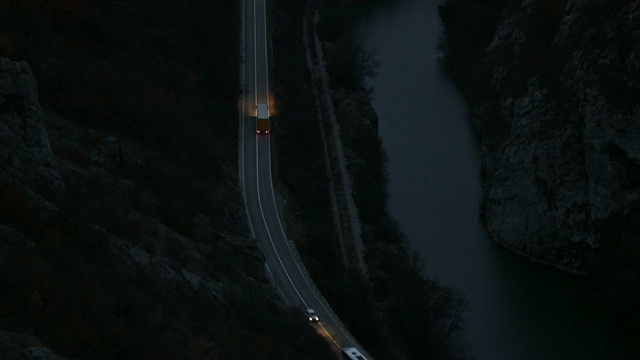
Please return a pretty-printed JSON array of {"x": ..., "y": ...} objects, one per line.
[{"x": 282, "y": 263}]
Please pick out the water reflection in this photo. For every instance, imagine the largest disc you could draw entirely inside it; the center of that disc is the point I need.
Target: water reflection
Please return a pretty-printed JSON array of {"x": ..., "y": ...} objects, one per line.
[{"x": 518, "y": 309}]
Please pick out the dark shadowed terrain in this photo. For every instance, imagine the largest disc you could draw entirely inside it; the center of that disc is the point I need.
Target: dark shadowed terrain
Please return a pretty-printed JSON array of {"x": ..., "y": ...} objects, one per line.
[
  {"x": 553, "y": 91},
  {"x": 122, "y": 231}
]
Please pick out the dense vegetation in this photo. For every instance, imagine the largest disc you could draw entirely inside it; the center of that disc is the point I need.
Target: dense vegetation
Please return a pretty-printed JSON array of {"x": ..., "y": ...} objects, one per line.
[
  {"x": 302, "y": 171},
  {"x": 398, "y": 311},
  {"x": 425, "y": 319},
  {"x": 141, "y": 109}
]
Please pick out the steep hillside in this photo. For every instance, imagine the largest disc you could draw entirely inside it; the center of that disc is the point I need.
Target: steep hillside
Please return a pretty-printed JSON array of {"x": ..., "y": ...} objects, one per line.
[
  {"x": 553, "y": 89},
  {"x": 122, "y": 231}
]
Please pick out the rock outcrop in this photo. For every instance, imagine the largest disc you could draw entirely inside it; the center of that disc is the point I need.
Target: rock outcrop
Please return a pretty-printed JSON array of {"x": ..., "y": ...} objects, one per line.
[
  {"x": 24, "y": 347},
  {"x": 558, "y": 111},
  {"x": 102, "y": 243},
  {"x": 25, "y": 152}
]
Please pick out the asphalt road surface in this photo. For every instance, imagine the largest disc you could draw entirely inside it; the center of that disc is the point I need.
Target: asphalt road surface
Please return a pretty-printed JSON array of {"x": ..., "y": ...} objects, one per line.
[{"x": 256, "y": 177}]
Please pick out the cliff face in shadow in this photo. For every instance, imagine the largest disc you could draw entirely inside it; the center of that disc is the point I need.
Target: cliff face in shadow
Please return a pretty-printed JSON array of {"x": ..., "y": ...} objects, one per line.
[
  {"x": 26, "y": 152},
  {"x": 122, "y": 231},
  {"x": 553, "y": 89}
]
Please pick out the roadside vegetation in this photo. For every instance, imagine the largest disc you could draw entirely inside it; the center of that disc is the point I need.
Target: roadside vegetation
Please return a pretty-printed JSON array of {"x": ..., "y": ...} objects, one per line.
[
  {"x": 302, "y": 171},
  {"x": 399, "y": 311}
]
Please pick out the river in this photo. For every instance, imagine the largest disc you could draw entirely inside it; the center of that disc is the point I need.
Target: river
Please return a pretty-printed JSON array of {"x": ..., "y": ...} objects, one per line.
[{"x": 517, "y": 309}]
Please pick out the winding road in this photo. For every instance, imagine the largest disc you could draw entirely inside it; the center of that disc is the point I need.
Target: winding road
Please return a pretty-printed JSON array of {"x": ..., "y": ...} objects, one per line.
[{"x": 282, "y": 263}]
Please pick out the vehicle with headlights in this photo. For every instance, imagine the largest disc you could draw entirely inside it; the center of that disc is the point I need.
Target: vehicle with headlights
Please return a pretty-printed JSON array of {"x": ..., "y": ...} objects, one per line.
[
  {"x": 262, "y": 119},
  {"x": 311, "y": 315}
]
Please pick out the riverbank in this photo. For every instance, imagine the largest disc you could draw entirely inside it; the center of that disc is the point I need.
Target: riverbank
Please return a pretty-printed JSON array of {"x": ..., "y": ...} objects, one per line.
[
  {"x": 434, "y": 325},
  {"x": 529, "y": 256},
  {"x": 424, "y": 319},
  {"x": 558, "y": 133}
]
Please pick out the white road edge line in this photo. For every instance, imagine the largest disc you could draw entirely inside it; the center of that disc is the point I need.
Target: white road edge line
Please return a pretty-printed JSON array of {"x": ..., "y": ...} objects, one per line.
[
  {"x": 276, "y": 207},
  {"x": 269, "y": 155},
  {"x": 312, "y": 287},
  {"x": 258, "y": 170},
  {"x": 266, "y": 52},
  {"x": 242, "y": 121},
  {"x": 267, "y": 228},
  {"x": 255, "y": 54}
]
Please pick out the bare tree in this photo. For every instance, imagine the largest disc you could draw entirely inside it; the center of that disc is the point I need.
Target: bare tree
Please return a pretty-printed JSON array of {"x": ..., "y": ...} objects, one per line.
[{"x": 353, "y": 61}]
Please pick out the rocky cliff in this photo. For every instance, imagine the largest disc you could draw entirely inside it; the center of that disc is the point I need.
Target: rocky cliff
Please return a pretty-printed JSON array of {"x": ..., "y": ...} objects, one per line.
[
  {"x": 26, "y": 155},
  {"x": 554, "y": 89},
  {"x": 90, "y": 266},
  {"x": 122, "y": 226}
]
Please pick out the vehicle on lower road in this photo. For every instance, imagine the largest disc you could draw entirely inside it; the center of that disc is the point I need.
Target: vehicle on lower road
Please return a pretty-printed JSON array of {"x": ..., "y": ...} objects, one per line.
[
  {"x": 311, "y": 315},
  {"x": 352, "y": 353}
]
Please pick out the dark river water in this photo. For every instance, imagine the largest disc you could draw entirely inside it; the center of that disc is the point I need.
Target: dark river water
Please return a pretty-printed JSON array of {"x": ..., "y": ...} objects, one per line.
[{"x": 518, "y": 310}]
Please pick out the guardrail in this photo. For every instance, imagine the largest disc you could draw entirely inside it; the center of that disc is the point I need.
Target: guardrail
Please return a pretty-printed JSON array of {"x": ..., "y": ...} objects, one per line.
[
  {"x": 327, "y": 116},
  {"x": 325, "y": 113},
  {"x": 353, "y": 258}
]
